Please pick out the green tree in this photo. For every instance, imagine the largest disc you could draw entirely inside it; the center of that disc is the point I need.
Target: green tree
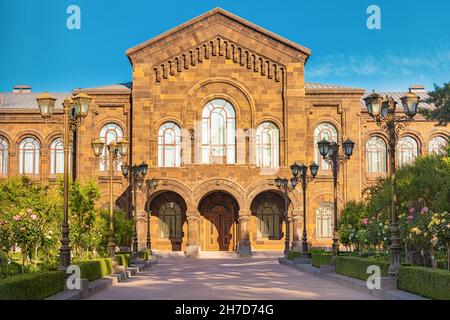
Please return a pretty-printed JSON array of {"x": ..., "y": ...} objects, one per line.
[{"x": 440, "y": 97}]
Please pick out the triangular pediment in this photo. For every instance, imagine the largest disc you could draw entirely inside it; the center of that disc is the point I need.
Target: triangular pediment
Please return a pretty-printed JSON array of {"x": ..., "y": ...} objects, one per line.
[{"x": 220, "y": 23}]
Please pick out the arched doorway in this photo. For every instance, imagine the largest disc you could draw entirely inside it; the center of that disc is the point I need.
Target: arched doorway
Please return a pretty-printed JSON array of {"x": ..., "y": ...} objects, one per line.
[
  {"x": 169, "y": 209},
  {"x": 218, "y": 230}
]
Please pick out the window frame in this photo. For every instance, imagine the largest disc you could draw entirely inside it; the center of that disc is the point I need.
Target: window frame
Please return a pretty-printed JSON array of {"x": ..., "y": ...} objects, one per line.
[
  {"x": 4, "y": 152},
  {"x": 271, "y": 130},
  {"x": 376, "y": 145},
  {"x": 23, "y": 155},
  {"x": 103, "y": 134},
  {"x": 321, "y": 219},
  {"x": 318, "y": 135},
  {"x": 162, "y": 145}
]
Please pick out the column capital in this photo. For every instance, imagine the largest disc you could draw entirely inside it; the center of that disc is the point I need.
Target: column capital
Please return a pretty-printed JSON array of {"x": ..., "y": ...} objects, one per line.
[
  {"x": 245, "y": 213},
  {"x": 192, "y": 213},
  {"x": 244, "y": 218},
  {"x": 193, "y": 218}
]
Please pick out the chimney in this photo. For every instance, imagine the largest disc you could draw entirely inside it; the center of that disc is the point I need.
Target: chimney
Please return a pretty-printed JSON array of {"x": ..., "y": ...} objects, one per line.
[
  {"x": 417, "y": 88},
  {"x": 21, "y": 89}
]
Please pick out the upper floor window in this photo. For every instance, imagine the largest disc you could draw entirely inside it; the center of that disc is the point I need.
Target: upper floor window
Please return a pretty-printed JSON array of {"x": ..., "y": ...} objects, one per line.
[
  {"x": 169, "y": 145},
  {"x": 268, "y": 221},
  {"x": 3, "y": 156},
  {"x": 407, "y": 150},
  {"x": 218, "y": 132},
  {"x": 323, "y": 131},
  {"x": 57, "y": 157},
  {"x": 29, "y": 149},
  {"x": 437, "y": 145},
  {"x": 110, "y": 133},
  {"x": 375, "y": 155},
  {"x": 267, "y": 145},
  {"x": 324, "y": 222}
]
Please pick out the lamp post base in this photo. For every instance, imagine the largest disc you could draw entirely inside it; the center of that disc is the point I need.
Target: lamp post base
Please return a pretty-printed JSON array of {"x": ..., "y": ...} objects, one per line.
[
  {"x": 244, "y": 248},
  {"x": 192, "y": 251}
]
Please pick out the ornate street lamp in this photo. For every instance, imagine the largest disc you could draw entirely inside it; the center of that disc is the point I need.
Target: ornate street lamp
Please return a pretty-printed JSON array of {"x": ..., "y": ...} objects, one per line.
[
  {"x": 302, "y": 170},
  {"x": 137, "y": 174},
  {"x": 151, "y": 185},
  {"x": 116, "y": 150},
  {"x": 68, "y": 123},
  {"x": 393, "y": 124},
  {"x": 285, "y": 185},
  {"x": 330, "y": 153}
]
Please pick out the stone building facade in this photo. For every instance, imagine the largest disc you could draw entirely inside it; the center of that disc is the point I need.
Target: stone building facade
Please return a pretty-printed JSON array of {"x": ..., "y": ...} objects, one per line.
[{"x": 217, "y": 107}]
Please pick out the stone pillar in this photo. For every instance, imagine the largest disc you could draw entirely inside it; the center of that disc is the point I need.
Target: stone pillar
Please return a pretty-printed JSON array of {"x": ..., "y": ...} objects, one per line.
[
  {"x": 244, "y": 245},
  {"x": 193, "y": 236},
  {"x": 296, "y": 221}
]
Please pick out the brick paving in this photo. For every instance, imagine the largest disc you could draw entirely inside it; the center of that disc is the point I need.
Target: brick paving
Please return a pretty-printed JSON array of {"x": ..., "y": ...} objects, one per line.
[{"x": 225, "y": 277}]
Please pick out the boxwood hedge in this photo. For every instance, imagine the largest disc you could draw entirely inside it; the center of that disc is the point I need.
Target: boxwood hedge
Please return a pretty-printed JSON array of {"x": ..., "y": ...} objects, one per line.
[
  {"x": 427, "y": 282},
  {"x": 321, "y": 258},
  {"x": 94, "y": 269},
  {"x": 123, "y": 259},
  {"x": 31, "y": 286},
  {"x": 356, "y": 267}
]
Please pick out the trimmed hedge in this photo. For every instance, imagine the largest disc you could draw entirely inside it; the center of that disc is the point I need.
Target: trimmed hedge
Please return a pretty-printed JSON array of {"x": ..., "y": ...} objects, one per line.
[
  {"x": 356, "y": 267},
  {"x": 321, "y": 258},
  {"x": 31, "y": 286},
  {"x": 123, "y": 259},
  {"x": 427, "y": 282},
  {"x": 293, "y": 255},
  {"x": 144, "y": 255},
  {"x": 94, "y": 269}
]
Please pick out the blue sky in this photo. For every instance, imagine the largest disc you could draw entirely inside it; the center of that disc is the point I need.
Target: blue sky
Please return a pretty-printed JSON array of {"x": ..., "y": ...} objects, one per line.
[{"x": 413, "y": 45}]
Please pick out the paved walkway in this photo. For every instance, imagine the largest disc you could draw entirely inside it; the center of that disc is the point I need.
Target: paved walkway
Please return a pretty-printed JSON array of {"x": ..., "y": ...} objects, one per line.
[{"x": 225, "y": 277}]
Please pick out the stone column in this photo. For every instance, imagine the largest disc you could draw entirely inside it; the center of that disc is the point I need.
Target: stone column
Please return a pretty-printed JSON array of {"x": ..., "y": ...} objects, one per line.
[
  {"x": 297, "y": 221},
  {"x": 244, "y": 245},
  {"x": 193, "y": 234}
]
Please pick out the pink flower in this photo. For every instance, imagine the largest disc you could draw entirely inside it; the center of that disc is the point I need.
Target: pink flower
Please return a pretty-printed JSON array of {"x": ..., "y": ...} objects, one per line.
[
  {"x": 86, "y": 226},
  {"x": 424, "y": 210},
  {"x": 33, "y": 217},
  {"x": 29, "y": 211},
  {"x": 16, "y": 218},
  {"x": 409, "y": 219},
  {"x": 412, "y": 210},
  {"x": 365, "y": 221}
]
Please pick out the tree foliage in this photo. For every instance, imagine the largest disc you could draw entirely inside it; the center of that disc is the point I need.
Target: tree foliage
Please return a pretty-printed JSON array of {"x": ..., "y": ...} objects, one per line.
[{"x": 440, "y": 97}]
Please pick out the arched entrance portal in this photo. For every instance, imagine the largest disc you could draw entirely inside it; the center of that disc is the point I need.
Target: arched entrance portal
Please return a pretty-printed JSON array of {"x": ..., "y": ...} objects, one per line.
[{"x": 218, "y": 229}]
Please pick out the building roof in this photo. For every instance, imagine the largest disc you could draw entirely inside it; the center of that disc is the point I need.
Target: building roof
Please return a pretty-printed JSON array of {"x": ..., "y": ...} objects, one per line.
[
  {"x": 220, "y": 11},
  {"x": 117, "y": 88},
  {"x": 396, "y": 95},
  {"x": 12, "y": 100}
]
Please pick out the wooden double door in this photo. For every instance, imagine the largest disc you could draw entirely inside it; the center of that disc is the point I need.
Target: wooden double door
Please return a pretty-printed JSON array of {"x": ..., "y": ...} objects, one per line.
[{"x": 219, "y": 230}]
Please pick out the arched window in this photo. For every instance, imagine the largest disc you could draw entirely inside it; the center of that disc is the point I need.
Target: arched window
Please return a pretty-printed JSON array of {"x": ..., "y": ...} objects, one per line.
[
  {"x": 323, "y": 131},
  {"x": 218, "y": 132},
  {"x": 57, "y": 157},
  {"x": 267, "y": 145},
  {"x": 29, "y": 156},
  {"x": 268, "y": 221},
  {"x": 324, "y": 220},
  {"x": 437, "y": 145},
  {"x": 3, "y": 156},
  {"x": 407, "y": 150},
  {"x": 109, "y": 133},
  {"x": 170, "y": 220},
  {"x": 169, "y": 145},
  {"x": 375, "y": 155}
]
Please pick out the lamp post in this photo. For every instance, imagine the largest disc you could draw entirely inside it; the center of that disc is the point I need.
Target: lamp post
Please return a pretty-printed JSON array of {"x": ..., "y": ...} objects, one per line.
[
  {"x": 302, "y": 169},
  {"x": 330, "y": 153},
  {"x": 75, "y": 109},
  {"x": 285, "y": 185},
  {"x": 383, "y": 112},
  {"x": 137, "y": 174},
  {"x": 116, "y": 150},
  {"x": 151, "y": 185}
]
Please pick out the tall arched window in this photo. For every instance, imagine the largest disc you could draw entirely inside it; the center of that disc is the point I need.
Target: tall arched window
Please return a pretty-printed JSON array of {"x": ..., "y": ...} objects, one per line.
[
  {"x": 267, "y": 145},
  {"x": 407, "y": 150},
  {"x": 57, "y": 157},
  {"x": 375, "y": 155},
  {"x": 29, "y": 156},
  {"x": 323, "y": 131},
  {"x": 3, "y": 156},
  {"x": 218, "y": 132},
  {"x": 268, "y": 221},
  {"x": 437, "y": 145},
  {"x": 109, "y": 133},
  {"x": 169, "y": 145},
  {"x": 170, "y": 220},
  {"x": 324, "y": 220}
]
